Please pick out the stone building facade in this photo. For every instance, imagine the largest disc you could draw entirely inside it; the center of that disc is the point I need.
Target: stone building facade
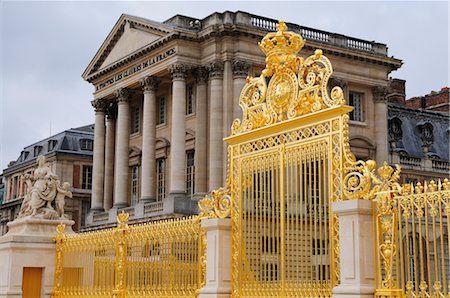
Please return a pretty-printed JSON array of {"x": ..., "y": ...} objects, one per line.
[
  {"x": 418, "y": 133},
  {"x": 167, "y": 93},
  {"x": 69, "y": 154}
]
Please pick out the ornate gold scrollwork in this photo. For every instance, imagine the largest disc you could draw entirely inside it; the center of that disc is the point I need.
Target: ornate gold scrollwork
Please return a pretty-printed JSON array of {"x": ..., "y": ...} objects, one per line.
[
  {"x": 216, "y": 205},
  {"x": 297, "y": 86}
]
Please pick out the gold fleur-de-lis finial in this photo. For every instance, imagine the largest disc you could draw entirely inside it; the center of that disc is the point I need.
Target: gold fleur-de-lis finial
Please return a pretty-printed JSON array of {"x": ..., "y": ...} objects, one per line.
[{"x": 281, "y": 26}]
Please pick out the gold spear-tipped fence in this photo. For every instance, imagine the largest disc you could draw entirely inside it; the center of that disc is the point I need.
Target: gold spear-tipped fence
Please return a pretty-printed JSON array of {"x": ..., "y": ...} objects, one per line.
[{"x": 156, "y": 259}]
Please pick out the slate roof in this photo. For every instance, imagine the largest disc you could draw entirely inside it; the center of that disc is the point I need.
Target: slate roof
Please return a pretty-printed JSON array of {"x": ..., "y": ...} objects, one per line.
[
  {"x": 411, "y": 141},
  {"x": 67, "y": 142}
]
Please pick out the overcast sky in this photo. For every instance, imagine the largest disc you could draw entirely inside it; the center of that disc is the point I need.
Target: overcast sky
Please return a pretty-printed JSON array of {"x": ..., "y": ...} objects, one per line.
[{"x": 45, "y": 46}]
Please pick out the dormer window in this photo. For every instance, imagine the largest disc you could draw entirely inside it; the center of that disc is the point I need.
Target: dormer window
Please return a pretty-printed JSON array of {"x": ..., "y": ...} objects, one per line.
[
  {"x": 87, "y": 144},
  {"x": 24, "y": 155},
  {"x": 37, "y": 150},
  {"x": 52, "y": 144}
]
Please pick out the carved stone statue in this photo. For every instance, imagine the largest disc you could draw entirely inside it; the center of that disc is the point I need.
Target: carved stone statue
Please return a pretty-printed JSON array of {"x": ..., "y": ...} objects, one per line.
[{"x": 44, "y": 193}]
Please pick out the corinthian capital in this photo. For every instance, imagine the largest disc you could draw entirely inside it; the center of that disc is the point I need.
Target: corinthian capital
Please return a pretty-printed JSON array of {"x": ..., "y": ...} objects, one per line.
[
  {"x": 150, "y": 83},
  {"x": 200, "y": 74},
  {"x": 178, "y": 71},
  {"x": 215, "y": 69},
  {"x": 99, "y": 105},
  {"x": 379, "y": 93},
  {"x": 333, "y": 82},
  {"x": 123, "y": 94},
  {"x": 240, "y": 68}
]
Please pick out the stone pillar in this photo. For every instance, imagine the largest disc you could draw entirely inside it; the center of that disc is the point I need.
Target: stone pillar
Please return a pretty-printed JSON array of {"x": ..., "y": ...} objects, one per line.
[
  {"x": 381, "y": 128},
  {"x": 356, "y": 246},
  {"x": 218, "y": 258},
  {"x": 98, "y": 167},
  {"x": 148, "y": 177},
  {"x": 201, "y": 132},
  {"x": 240, "y": 73},
  {"x": 111, "y": 115},
  {"x": 122, "y": 147},
  {"x": 178, "y": 140},
  {"x": 215, "y": 126}
]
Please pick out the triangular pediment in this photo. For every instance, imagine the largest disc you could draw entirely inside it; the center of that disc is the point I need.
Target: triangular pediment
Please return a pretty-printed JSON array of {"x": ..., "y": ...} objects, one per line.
[{"x": 128, "y": 35}]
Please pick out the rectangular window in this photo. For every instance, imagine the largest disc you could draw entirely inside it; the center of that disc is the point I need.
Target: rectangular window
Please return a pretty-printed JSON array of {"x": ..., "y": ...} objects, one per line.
[
  {"x": 190, "y": 173},
  {"x": 190, "y": 102},
  {"x": 161, "y": 110},
  {"x": 86, "y": 182},
  {"x": 136, "y": 120},
  {"x": 356, "y": 101},
  {"x": 87, "y": 144},
  {"x": 134, "y": 185},
  {"x": 15, "y": 187},
  {"x": 85, "y": 207},
  {"x": 161, "y": 179}
]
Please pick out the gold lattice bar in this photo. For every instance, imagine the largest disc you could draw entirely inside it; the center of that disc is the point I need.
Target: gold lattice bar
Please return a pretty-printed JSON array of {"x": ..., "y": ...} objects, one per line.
[{"x": 158, "y": 259}]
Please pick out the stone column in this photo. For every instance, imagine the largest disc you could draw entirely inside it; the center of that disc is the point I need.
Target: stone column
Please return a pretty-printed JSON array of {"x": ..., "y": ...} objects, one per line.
[
  {"x": 227, "y": 113},
  {"x": 148, "y": 177},
  {"x": 111, "y": 114},
  {"x": 98, "y": 167},
  {"x": 356, "y": 246},
  {"x": 218, "y": 258},
  {"x": 201, "y": 132},
  {"x": 215, "y": 126},
  {"x": 380, "y": 117},
  {"x": 122, "y": 147},
  {"x": 240, "y": 73},
  {"x": 178, "y": 129}
]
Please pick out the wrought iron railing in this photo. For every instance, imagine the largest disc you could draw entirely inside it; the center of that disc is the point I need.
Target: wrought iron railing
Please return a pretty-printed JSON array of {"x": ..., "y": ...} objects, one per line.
[
  {"x": 412, "y": 240},
  {"x": 156, "y": 259}
]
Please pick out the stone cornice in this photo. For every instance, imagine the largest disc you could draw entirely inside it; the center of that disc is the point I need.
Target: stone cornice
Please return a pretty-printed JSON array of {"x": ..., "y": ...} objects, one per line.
[
  {"x": 227, "y": 30},
  {"x": 150, "y": 83},
  {"x": 116, "y": 33}
]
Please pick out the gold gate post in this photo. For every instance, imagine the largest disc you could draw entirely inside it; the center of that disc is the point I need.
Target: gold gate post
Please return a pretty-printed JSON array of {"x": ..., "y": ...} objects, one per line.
[
  {"x": 120, "y": 238},
  {"x": 60, "y": 239}
]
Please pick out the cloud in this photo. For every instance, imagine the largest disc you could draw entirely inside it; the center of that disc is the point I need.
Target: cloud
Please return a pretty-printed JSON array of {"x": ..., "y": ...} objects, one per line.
[{"x": 45, "y": 46}]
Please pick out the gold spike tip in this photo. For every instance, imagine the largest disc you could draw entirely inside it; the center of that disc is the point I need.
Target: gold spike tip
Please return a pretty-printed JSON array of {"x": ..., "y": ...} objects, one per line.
[{"x": 281, "y": 26}]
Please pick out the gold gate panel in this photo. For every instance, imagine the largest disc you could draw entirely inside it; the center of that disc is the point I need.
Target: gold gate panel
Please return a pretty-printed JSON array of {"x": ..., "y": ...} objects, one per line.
[
  {"x": 161, "y": 259},
  {"x": 412, "y": 236},
  {"x": 287, "y": 160}
]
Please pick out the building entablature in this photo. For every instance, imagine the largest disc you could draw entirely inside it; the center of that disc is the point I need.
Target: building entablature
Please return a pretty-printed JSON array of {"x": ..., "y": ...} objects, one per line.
[{"x": 176, "y": 43}]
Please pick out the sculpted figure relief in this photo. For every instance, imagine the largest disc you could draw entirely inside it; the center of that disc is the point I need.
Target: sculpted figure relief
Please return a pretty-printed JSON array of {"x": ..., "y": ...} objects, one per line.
[{"x": 44, "y": 188}]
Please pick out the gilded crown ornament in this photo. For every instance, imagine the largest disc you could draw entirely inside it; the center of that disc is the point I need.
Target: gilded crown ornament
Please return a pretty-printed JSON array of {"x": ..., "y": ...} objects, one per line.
[{"x": 289, "y": 86}]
